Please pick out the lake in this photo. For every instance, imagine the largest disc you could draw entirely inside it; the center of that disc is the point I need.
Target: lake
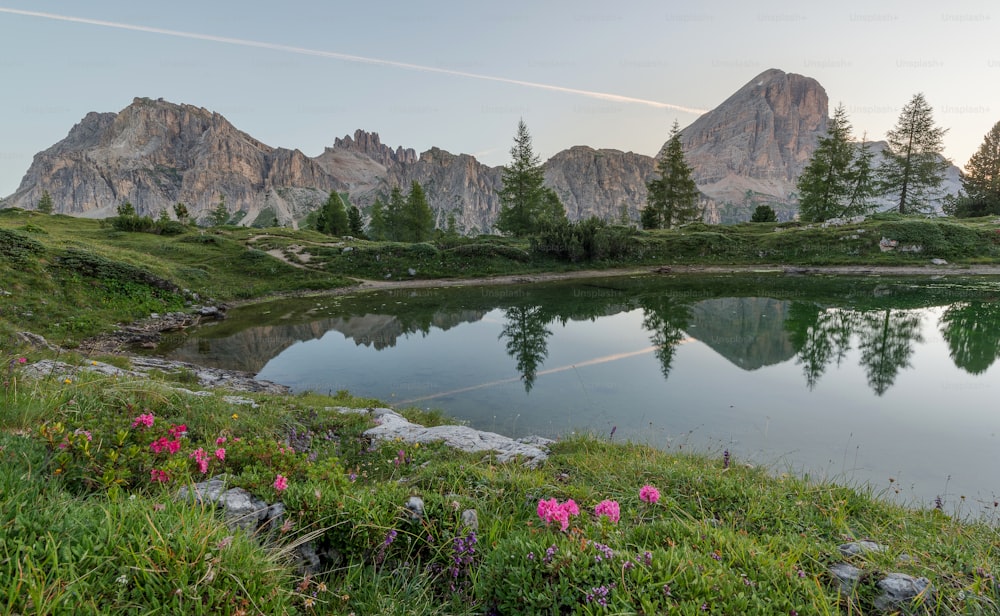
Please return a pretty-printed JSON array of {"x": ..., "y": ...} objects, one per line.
[{"x": 881, "y": 381}]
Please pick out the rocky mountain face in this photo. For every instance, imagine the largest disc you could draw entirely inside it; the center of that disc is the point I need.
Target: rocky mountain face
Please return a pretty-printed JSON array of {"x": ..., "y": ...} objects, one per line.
[
  {"x": 155, "y": 154},
  {"x": 757, "y": 140},
  {"x": 747, "y": 151}
]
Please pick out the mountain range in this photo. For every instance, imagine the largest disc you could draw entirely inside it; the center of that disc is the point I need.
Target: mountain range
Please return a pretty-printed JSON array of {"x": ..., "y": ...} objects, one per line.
[{"x": 747, "y": 151}]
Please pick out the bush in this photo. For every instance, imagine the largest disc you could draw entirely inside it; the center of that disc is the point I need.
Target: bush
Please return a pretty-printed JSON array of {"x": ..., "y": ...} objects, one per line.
[
  {"x": 96, "y": 266},
  {"x": 764, "y": 213},
  {"x": 18, "y": 247},
  {"x": 591, "y": 240},
  {"x": 144, "y": 224}
]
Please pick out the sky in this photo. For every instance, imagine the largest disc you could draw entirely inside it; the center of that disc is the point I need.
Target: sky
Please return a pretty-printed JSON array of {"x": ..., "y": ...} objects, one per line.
[{"x": 459, "y": 75}]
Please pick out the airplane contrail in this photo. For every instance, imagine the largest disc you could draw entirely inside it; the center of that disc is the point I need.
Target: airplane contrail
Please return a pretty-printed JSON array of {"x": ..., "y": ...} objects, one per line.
[{"x": 352, "y": 58}]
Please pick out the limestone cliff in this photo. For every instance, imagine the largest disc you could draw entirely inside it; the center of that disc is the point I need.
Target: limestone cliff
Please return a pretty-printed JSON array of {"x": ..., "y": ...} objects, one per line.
[
  {"x": 155, "y": 153},
  {"x": 751, "y": 148}
]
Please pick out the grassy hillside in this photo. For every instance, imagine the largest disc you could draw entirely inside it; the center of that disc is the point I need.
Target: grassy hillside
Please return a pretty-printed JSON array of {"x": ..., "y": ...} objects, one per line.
[{"x": 69, "y": 278}]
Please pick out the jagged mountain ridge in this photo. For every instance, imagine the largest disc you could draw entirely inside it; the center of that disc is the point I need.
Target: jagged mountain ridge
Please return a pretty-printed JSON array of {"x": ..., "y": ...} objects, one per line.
[{"x": 155, "y": 153}]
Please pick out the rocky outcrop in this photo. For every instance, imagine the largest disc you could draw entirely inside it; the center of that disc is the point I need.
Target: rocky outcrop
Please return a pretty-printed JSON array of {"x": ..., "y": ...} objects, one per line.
[
  {"x": 392, "y": 426},
  {"x": 370, "y": 146},
  {"x": 155, "y": 154},
  {"x": 599, "y": 182}
]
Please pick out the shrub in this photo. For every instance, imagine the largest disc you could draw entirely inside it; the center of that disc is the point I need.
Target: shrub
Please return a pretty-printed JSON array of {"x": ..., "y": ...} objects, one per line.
[{"x": 18, "y": 247}]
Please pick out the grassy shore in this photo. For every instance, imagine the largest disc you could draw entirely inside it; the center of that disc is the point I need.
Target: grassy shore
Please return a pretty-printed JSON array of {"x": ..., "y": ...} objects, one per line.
[{"x": 91, "y": 464}]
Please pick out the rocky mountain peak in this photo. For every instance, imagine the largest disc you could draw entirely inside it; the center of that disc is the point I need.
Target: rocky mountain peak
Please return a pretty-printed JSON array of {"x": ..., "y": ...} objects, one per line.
[
  {"x": 371, "y": 146},
  {"x": 759, "y": 139}
]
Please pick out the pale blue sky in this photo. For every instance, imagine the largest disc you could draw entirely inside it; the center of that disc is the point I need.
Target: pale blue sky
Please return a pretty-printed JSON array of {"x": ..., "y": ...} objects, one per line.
[{"x": 871, "y": 56}]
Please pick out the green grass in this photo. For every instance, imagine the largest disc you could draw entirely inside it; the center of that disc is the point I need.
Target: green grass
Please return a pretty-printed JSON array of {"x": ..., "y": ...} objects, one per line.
[{"x": 89, "y": 532}]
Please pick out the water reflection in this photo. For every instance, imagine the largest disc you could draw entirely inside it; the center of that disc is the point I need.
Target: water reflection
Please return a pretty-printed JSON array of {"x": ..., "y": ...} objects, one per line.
[
  {"x": 972, "y": 330},
  {"x": 526, "y": 336},
  {"x": 665, "y": 319},
  {"x": 750, "y": 331}
]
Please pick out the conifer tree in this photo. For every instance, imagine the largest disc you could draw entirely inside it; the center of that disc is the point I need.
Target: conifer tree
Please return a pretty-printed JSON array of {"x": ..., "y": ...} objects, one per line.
[
  {"x": 418, "y": 217},
  {"x": 355, "y": 222},
  {"x": 332, "y": 217},
  {"x": 913, "y": 168},
  {"x": 981, "y": 179},
  {"x": 673, "y": 197},
  {"x": 523, "y": 196},
  {"x": 395, "y": 216},
  {"x": 864, "y": 185},
  {"x": 826, "y": 183},
  {"x": 45, "y": 205},
  {"x": 377, "y": 226}
]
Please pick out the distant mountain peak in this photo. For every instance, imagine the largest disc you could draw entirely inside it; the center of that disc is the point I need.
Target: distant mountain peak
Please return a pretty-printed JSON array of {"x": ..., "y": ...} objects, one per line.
[{"x": 369, "y": 144}]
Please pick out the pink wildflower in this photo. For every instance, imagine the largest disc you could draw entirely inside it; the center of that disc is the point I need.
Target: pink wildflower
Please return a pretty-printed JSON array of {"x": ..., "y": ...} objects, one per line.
[
  {"x": 158, "y": 476},
  {"x": 553, "y": 511},
  {"x": 201, "y": 459},
  {"x": 177, "y": 431},
  {"x": 174, "y": 446},
  {"x": 280, "y": 483},
  {"x": 145, "y": 419},
  {"x": 649, "y": 494},
  {"x": 22, "y": 360},
  {"x": 220, "y": 453},
  {"x": 220, "y": 440},
  {"x": 608, "y": 509}
]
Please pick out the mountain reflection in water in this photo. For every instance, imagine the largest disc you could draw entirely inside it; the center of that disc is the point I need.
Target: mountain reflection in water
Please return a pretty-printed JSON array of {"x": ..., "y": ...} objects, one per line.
[{"x": 849, "y": 378}]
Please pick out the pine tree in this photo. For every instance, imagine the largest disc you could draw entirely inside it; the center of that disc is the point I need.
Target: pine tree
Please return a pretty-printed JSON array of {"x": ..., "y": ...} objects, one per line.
[
  {"x": 981, "y": 179},
  {"x": 522, "y": 196},
  {"x": 913, "y": 168},
  {"x": 864, "y": 184},
  {"x": 672, "y": 197},
  {"x": 332, "y": 218},
  {"x": 45, "y": 205},
  {"x": 377, "y": 227},
  {"x": 395, "y": 217},
  {"x": 826, "y": 183},
  {"x": 220, "y": 215},
  {"x": 181, "y": 211},
  {"x": 355, "y": 222},
  {"x": 418, "y": 217}
]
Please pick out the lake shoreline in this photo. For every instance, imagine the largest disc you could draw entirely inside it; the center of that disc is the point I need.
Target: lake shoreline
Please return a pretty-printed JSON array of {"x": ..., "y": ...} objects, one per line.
[{"x": 684, "y": 270}]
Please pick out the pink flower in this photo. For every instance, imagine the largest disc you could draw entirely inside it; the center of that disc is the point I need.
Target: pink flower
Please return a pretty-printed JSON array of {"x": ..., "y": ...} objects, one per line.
[
  {"x": 201, "y": 459},
  {"x": 174, "y": 446},
  {"x": 649, "y": 494},
  {"x": 220, "y": 453},
  {"x": 177, "y": 431},
  {"x": 158, "y": 476},
  {"x": 608, "y": 509},
  {"x": 143, "y": 420},
  {"x": 158, "y": 445},
  {"x": 553, "y": 511},
  {"x": 24, "y": 360},
  {"x": 220, "y": 440},
  {"x": 280, "y": 483}
]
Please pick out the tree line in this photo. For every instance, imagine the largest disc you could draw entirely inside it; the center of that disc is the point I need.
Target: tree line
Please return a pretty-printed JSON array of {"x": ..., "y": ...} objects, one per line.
[{"x": 842, "y": 180}]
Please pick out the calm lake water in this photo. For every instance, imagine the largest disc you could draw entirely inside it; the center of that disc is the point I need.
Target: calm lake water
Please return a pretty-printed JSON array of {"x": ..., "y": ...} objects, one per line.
[{"x": 890, "y": 382}]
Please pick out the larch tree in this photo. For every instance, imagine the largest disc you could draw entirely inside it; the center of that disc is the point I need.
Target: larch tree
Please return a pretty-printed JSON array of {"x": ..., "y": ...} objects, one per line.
[{"x": 913, "y": 167}]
